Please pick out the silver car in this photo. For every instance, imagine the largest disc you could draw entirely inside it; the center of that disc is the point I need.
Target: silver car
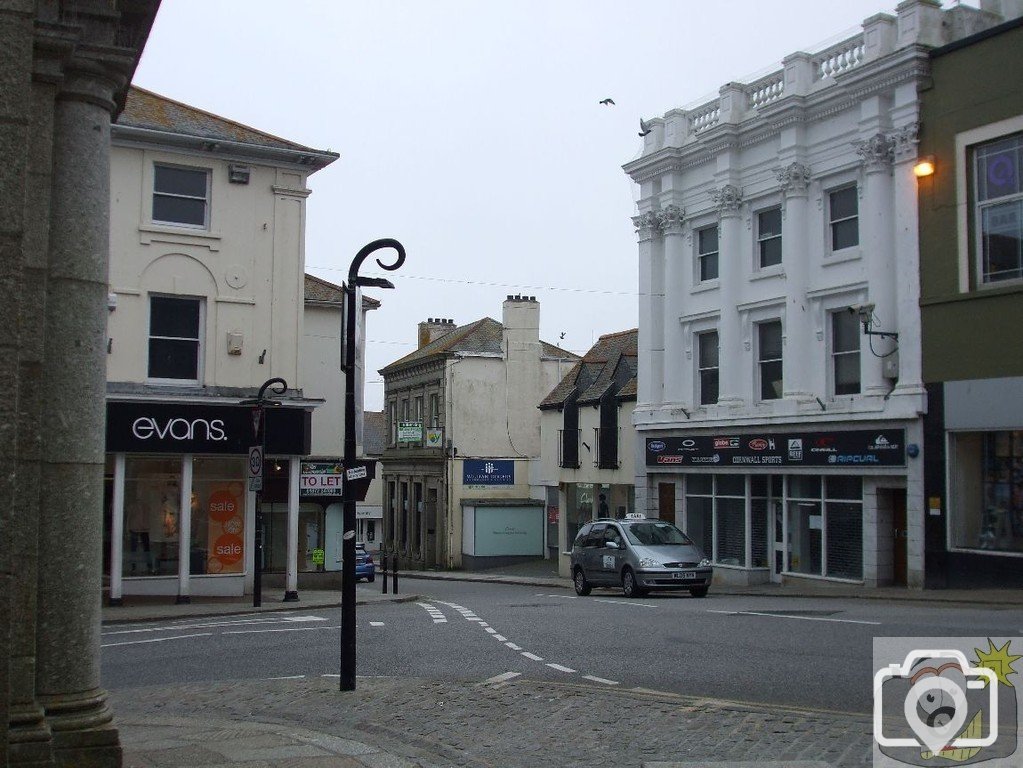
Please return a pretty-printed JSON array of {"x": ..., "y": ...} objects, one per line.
[{"x": 640, "y": 554}]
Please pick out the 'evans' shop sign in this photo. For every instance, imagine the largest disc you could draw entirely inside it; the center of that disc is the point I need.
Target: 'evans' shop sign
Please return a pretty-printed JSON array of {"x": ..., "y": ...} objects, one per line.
[
  {"x": 139, "y": 427},
  {"x": 851, "y": 448},
  {"x": 488, "y": 472}
]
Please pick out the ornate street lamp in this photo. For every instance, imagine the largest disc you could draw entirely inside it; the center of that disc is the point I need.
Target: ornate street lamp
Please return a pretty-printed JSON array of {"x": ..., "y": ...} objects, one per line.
[
  {"x": 259, "y": 404},
  {"x": 348, "y": 537}
]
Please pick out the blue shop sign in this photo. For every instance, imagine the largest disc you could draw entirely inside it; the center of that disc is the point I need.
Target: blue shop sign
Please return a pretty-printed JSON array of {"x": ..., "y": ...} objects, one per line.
[{"x": 488, "y": 472}]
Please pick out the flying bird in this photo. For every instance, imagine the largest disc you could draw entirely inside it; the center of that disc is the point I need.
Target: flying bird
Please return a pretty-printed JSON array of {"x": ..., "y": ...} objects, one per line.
[
  {"x": 562, "y": 335},
  {"x": 609, "y": 102},
  {"x": 644, "y": 129}
]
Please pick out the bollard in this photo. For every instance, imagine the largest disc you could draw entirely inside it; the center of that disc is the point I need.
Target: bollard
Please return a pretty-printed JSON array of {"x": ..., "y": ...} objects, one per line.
[
  {"x": 383, "y": 569},
  {"x": 394, "y": 584}
]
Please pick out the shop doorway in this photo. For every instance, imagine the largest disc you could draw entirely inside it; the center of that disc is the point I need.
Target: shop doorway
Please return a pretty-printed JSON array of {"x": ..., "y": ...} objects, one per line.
[
  {"x": 900, "y": 537},
  {"x": 777, "y": 540},
  {"x": 666, "y": 502}
]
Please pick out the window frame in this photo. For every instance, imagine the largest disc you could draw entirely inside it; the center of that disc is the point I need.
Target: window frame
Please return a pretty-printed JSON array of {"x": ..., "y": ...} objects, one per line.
[
  {"x": 832, "y": 221},
  {"x": 759, "y": 265},
  {"x": 701, "y": 255},
  {"x": 208, "y": 174},
  {"x": 434, "y": 410},
  {"x": 761, "y": 361},
  {"x": 977, "y": 207},
  {"x": 700, "y": 336},
  {"x": 845, "y": 314},
  {"x": 200, "y": 340}
]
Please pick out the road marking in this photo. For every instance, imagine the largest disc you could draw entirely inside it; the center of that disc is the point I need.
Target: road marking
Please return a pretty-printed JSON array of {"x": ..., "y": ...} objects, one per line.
[
  {"x": 376, "y": 623},
  {"x": 514, "y": 647},
  {"x": 437, "y": 615},
  {"x": 490, "y": 630},
  {"x": 600, "y": 680},
  {"x": 330, "y": 675},
  {"x": 788, "y": 616},
  {"x": 624, "y": 602},
  {"x": 560, "y": 668},
  {"x": 261, "y": 631},
  {"x": 208, "y": 624},
  {"x": 566, "y": 597},
  {"x": 484, "y": 625},
  {"x": 288, "y": 677},
  {"x": 502, "y": 678},
  {"x": 500, "y": 638},
  {"x": 532, "y": 656},
  {"x": 156, "y": 639}
]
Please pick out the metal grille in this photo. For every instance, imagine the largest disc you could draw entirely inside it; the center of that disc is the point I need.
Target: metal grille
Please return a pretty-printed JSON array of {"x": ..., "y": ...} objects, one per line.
[
  {"x": 731, "y": 524},
  {"x": 700, "y": 523},
  {"x": 845, "y": 540},
  {"x": 760, "y": 532}
]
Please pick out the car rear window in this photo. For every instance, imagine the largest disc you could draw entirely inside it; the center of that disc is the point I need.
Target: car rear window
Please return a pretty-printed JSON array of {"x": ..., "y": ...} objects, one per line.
[{"x": 654, "y": 534}]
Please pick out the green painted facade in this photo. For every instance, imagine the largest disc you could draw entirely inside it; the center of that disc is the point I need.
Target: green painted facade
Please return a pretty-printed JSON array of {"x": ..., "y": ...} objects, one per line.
[{"x": 978, "y": 333}]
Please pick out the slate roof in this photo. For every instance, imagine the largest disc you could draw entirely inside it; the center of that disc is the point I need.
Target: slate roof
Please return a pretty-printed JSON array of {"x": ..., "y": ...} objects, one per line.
[
  {"x": 145, "y": 109},
  {"x": 374, "y": 433},
  {"x": 321, "y": 291},
  {"x": 483, "y": 337},
  {"x": 611, "y": 361}
]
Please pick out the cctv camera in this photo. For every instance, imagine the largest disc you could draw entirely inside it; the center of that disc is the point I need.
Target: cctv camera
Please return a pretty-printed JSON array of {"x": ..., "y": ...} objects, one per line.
[{"x": 865, "y": 311}]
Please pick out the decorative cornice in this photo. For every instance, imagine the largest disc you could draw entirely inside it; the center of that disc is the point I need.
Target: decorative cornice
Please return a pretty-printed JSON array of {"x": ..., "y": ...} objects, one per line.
[
  {"x": 906, "y": 138},
  {"x": 670, "y": 218},
  {"x": 794, "y": 179},
  {"x": 727, "y": 199},
  {"x": 877, "y": 152}
]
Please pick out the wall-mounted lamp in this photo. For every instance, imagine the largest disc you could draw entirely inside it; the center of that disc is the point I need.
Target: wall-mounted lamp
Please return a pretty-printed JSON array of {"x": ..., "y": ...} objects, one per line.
[{"x": 924, "y": 166}]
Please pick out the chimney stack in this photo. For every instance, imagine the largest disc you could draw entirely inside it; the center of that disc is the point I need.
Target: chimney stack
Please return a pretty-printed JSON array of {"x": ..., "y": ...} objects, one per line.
[{"x": 433, "y": 329}]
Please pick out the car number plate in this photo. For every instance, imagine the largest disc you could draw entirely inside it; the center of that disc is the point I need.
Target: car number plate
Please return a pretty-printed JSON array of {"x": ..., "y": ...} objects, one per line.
[{"x": 684, "y": 574}]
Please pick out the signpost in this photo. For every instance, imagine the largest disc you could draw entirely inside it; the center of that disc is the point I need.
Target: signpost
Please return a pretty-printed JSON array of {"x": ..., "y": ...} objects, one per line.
[{"x": 256, "y": 468}]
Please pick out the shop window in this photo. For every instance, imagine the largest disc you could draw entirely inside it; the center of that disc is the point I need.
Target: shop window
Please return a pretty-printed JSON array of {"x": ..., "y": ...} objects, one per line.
[
  {"x": 152, "y": 499},
  {"x": 998, "y": 209},
  {"x": 769, "y": 237},
  {"x": 825, "y": 526},
  {"x": 218, "y": 515},
  {"x": 174, "y": 338},
  {"x": 434, "y": 411},
  {"x": 181, "y": 195},
  {"x": 987, "y": 491},
  {"x": 844, "y": 539},
  {"x": 716, "y": 514}
]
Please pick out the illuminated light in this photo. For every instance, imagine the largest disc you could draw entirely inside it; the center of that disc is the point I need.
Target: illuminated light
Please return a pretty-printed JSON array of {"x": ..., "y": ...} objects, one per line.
[{"x": 924, "y": 167}]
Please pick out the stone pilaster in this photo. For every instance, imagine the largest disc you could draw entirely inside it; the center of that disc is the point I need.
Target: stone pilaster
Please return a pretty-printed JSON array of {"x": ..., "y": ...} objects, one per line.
[
  {"x": 800, "y": 345},
  {"x": 728, "y": 199},
  {"x": 651, "y": 309},
  {"x": 72, "y": 402},
  {"x": 875, "y": 227},
  {"x": 677, "y": 278}
]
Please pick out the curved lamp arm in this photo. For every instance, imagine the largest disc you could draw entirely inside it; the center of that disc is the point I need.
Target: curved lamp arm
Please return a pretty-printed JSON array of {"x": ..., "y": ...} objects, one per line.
[{"x": 376, "y": 245}]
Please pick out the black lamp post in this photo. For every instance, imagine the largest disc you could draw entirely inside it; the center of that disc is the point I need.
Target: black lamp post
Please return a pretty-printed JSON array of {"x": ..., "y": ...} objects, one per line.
[
  {"x": 278, "y": 386},
  {"x": 348, "y": 537}
]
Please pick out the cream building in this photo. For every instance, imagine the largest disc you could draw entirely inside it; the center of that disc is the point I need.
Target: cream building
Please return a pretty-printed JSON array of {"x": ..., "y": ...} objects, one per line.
[{"x": 207, "y": 300}]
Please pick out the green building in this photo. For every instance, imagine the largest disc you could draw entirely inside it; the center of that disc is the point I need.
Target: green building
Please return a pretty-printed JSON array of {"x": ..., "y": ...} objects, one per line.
[{"x": 971, "y": 257}]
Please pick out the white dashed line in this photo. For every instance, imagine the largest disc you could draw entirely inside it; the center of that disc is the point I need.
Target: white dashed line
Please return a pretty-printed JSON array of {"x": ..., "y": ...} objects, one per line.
[
  {"x": 288, "y": 677},
  {"x": 514, "y": 647},
  {"x": 565, "y": 597},
  {"x": 330, "y": 675},
  {"x": 600, "y": 680},
  {"x": 500, "y": 638},
  {"x": 435, "y": 613},
  {"x": 502, "y": 678},
  {"x": 156, "y": 640},
  {"x": 532, "y": 656},
  {"x": 560, "y": 668},
  {"x": 379, "y": 623},
  {"x": 490, "y": 630},
  {"x": 209, "y": 624},
  {"x": 624, "y": 602}
]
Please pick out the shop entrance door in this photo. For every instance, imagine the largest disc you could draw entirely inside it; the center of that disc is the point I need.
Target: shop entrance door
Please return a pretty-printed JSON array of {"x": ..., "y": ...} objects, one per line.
[
  {"x": 666, "y": 502},
  {"x": 900, "y": 537},
  {"x": 777, "y": 541}
]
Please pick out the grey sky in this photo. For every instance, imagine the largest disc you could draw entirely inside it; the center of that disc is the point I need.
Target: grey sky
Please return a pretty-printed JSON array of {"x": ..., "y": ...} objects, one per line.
[{"x": 471, "y": 132}]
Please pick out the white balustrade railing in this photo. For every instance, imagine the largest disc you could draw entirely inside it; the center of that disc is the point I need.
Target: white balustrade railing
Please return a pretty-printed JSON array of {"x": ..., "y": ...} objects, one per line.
[
  {"x": 838, "y": 58},
  {"x": 704, "y": 117},
  {"x": 765, "y": 90}
]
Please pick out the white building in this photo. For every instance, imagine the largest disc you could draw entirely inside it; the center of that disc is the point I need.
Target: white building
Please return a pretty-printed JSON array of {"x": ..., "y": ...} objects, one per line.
[
  {"x": 208, "y": 300},
  {"x": 777, "y": 225}
]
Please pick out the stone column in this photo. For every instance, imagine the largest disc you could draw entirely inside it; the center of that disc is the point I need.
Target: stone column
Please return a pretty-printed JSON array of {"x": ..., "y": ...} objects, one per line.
[
  {"x": 651, "y": 311},
  {"x": 878, "y": 256},
  {"x": 677, "y": 277},
  {"x": 799, "y": 342},
  {"x": 294, "y": 478},
  {"x": 730, "y": 271},
  {"x": 117, "y": 532},
  {"x": 72, "y": 401}
]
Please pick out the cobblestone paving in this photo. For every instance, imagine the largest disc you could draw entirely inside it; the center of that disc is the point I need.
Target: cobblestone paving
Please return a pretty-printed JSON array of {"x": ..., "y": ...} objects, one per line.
[{"x": 518, "y": 723}]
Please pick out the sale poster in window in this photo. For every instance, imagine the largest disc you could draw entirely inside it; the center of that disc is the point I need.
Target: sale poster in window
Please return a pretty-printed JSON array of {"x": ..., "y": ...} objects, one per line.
[{"x": 226, "y": 540}]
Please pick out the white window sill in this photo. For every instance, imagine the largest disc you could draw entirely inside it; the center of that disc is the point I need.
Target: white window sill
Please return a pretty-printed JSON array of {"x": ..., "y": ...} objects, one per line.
[
  {"x": 1000, "y": 552},
  {"x": 709, "y": 285},
  {"x": 149, "y": 233},
  {"x": 767, "y": 273},
  {"x": 842, "y": 256}
]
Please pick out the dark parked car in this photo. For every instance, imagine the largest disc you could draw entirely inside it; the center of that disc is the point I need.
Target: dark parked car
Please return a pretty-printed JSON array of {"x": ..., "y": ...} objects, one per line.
[
  {"x": 365, "y": 568},
  {"x": 640, "y": 554}
]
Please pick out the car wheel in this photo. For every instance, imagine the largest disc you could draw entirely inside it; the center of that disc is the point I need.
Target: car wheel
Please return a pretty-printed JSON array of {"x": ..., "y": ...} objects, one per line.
[
  {"x": 629, "y": 586},
  {"x": 698, "y": 591},
  {"x": 582, "y": 586},
  {"x": 371, "y": 577}
]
